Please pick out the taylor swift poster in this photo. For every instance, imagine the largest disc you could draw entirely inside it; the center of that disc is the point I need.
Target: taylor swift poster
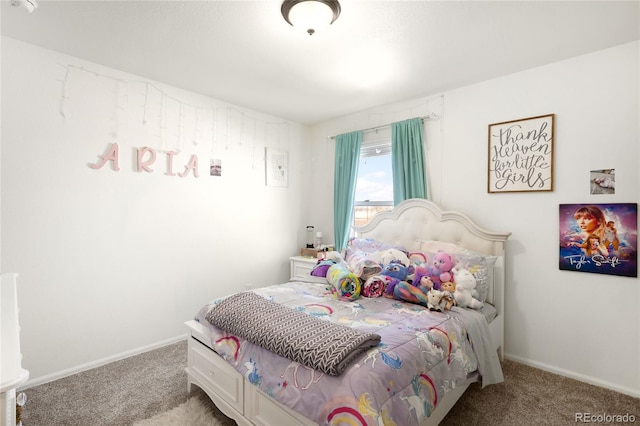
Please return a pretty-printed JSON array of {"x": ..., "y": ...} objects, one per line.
[{"x": 600, "y": 238}]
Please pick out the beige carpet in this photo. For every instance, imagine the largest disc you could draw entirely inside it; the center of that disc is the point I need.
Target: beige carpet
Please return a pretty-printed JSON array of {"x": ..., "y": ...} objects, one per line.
[
  {"x": 144, "y": 386},
  {"x": 197, "y": 411},
  {"x": 529, "y": 396}
]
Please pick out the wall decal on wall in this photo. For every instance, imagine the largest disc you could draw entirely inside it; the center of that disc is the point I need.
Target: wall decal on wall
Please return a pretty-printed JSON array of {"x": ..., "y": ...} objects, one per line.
[
  {"x": 110, "y": 155},
  {"x": 192, "y": 166},
  {"x": 603, "y": 181},
  {"x": 599, "y": 238},
  {"x": 167, "y": 127},
  {"x": 521, "y": 155},
  {"x": 146, "y": 164},
  {"x": 276, "y": 167},
  {"x": 146, "y": 158}
]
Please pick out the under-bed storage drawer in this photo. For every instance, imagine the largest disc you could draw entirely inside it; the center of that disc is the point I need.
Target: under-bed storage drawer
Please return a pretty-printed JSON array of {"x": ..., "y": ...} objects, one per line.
[
  {"x": 262, "y": 410},
  {"x": 216, "y": 374}
]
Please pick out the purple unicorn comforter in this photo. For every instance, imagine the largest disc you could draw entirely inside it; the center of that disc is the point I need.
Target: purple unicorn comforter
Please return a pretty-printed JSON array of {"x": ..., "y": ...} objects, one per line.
[{"x": 421, "y": 355}]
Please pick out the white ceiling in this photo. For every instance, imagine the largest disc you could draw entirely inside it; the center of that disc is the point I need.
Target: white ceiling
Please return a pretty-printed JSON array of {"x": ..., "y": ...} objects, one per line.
[{"x": 376, "y": 53}]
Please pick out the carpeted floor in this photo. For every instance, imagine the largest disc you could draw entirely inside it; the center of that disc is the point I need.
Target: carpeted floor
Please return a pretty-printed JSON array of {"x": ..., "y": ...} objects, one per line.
[
  {"x": 197, "y": 411},
  {"x": 115, "y": 394},
  {"x": 140, "y": 387}
]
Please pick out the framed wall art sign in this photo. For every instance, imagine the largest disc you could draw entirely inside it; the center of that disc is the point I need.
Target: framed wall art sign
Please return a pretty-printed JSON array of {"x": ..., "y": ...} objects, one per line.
[
  {"x": 276, "y": 167},
  {"x": 599, "y": 238},
  {"x": 521, "y": 155}
]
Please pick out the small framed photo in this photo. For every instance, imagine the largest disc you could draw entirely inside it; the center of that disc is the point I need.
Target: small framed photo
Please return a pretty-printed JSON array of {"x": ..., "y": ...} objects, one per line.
[
  {"x": 215, "y": 168},
  {"x": 521, "y": 155},
  {"x": 603, "y": 181},
  {"x": 276, "y": 167}
]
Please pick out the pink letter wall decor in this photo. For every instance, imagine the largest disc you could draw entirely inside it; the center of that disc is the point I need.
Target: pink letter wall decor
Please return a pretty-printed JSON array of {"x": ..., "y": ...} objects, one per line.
[
  {"x": 193, "y": 165},
  {"x": 144, "y": 165},
  {"x": 146, "y": 158},
  {"x": 170, "y": 155},
  {"x": 111, "y": 155}
]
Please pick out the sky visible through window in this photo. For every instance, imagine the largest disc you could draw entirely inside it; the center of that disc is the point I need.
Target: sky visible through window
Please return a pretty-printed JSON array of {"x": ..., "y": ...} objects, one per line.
[{"x": 375, "y": 179}]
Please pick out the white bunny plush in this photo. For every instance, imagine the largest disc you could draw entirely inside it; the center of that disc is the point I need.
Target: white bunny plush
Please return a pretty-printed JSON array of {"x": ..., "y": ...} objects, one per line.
[
  {"x": 434, "y": 300},
  {"x": 465, "y": 288}
]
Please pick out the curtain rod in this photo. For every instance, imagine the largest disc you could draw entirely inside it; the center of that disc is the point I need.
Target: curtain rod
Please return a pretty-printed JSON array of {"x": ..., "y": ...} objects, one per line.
[{"x": 432, "y": 116}]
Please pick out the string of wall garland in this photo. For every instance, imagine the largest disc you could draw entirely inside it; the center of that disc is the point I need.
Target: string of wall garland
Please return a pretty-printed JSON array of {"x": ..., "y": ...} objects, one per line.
[{"x": 129, "y": 111}]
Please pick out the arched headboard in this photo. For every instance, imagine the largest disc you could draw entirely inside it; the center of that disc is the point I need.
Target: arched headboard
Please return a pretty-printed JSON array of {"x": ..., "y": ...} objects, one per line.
[{"x": 416, "y": 220}]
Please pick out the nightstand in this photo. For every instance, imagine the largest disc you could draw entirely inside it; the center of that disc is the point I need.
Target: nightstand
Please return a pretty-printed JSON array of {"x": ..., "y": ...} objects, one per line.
[{"x": 301, "y": 266}]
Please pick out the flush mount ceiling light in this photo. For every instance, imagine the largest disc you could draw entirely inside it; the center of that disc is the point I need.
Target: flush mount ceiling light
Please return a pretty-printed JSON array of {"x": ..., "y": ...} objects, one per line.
[
  {"x": 310, "y": 15},
  {"x": 30, "y": 5}
]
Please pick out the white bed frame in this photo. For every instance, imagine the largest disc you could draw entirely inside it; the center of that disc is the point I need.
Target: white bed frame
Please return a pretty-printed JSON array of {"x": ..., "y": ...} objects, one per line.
[{"x": 408, "y": 225}]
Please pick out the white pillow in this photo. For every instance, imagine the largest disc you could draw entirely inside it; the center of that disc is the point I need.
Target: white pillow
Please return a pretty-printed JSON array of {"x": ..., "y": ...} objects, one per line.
[
  {"x": 434, "y": 246},
  {"x": 481, "y": 266}
]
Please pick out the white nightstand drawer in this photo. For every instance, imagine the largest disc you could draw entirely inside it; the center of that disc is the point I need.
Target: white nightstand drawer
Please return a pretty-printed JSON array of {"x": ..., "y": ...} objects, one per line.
[{"x": 301, "y": 266}]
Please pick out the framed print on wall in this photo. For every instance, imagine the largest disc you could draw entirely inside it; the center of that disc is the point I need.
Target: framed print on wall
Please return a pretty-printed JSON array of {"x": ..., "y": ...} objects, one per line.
[
  {"x": 276, "y": 167},
  {"x": 599, "y": 238},
  {"x": 521, "y": 155},
  {"x": 603, "y": 181}
]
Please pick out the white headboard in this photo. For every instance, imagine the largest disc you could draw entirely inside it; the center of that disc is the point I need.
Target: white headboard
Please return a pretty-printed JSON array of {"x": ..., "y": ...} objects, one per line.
[{"x": 416, "y": 220}]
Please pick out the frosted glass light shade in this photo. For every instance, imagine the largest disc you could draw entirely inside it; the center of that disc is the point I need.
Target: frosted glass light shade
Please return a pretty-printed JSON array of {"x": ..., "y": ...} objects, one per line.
[{"x": 310, "y": 15}]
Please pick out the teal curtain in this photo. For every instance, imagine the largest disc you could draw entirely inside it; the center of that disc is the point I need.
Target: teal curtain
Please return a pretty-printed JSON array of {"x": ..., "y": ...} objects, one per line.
[
  {"x": 407, "y": 160},
  {"x": 347, "y": 158}
]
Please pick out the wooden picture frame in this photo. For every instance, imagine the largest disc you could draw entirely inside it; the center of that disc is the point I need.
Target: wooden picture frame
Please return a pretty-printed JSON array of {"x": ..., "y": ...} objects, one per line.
[{"x": 521, "y": 155}]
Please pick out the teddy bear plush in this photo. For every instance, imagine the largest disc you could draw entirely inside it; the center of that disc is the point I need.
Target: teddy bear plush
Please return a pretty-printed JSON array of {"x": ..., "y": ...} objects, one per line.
[
  {"x": 440, "y": 268},
  {"x": 465, "y": 284},
  {"x": 448, "y": 289}
]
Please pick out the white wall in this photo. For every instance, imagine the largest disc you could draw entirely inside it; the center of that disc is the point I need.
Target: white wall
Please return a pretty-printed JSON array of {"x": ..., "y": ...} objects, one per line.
[
  {"x": 113, "y": 261},
  {"x": 583, "y": 325}
]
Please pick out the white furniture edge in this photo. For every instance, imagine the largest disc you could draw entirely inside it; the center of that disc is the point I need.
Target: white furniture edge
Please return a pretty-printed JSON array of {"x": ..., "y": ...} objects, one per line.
[
  {"x": 12, "y": 374},
  {"x": 396, "y": 227},
  {"x": 303, "y": 264}
]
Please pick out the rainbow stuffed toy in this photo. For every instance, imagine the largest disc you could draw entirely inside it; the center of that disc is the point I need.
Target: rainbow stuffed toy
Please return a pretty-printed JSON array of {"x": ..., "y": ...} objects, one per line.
[{"x": 345, "y": 285}]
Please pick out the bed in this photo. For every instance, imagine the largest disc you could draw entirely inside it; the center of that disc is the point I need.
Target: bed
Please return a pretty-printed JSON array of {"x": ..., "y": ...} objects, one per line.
[{"x": 385, "y": 382}]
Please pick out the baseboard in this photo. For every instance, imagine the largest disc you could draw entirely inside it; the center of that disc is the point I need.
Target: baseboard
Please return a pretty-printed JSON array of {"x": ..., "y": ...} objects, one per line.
[
  {"x": 572, "y": 375},
  {"x": 94, "y": 364},
  {"x": 100, "y": 362}
]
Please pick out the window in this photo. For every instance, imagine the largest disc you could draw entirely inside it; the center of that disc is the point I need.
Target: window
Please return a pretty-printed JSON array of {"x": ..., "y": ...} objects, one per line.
[{"x": 374, "y": 185}]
